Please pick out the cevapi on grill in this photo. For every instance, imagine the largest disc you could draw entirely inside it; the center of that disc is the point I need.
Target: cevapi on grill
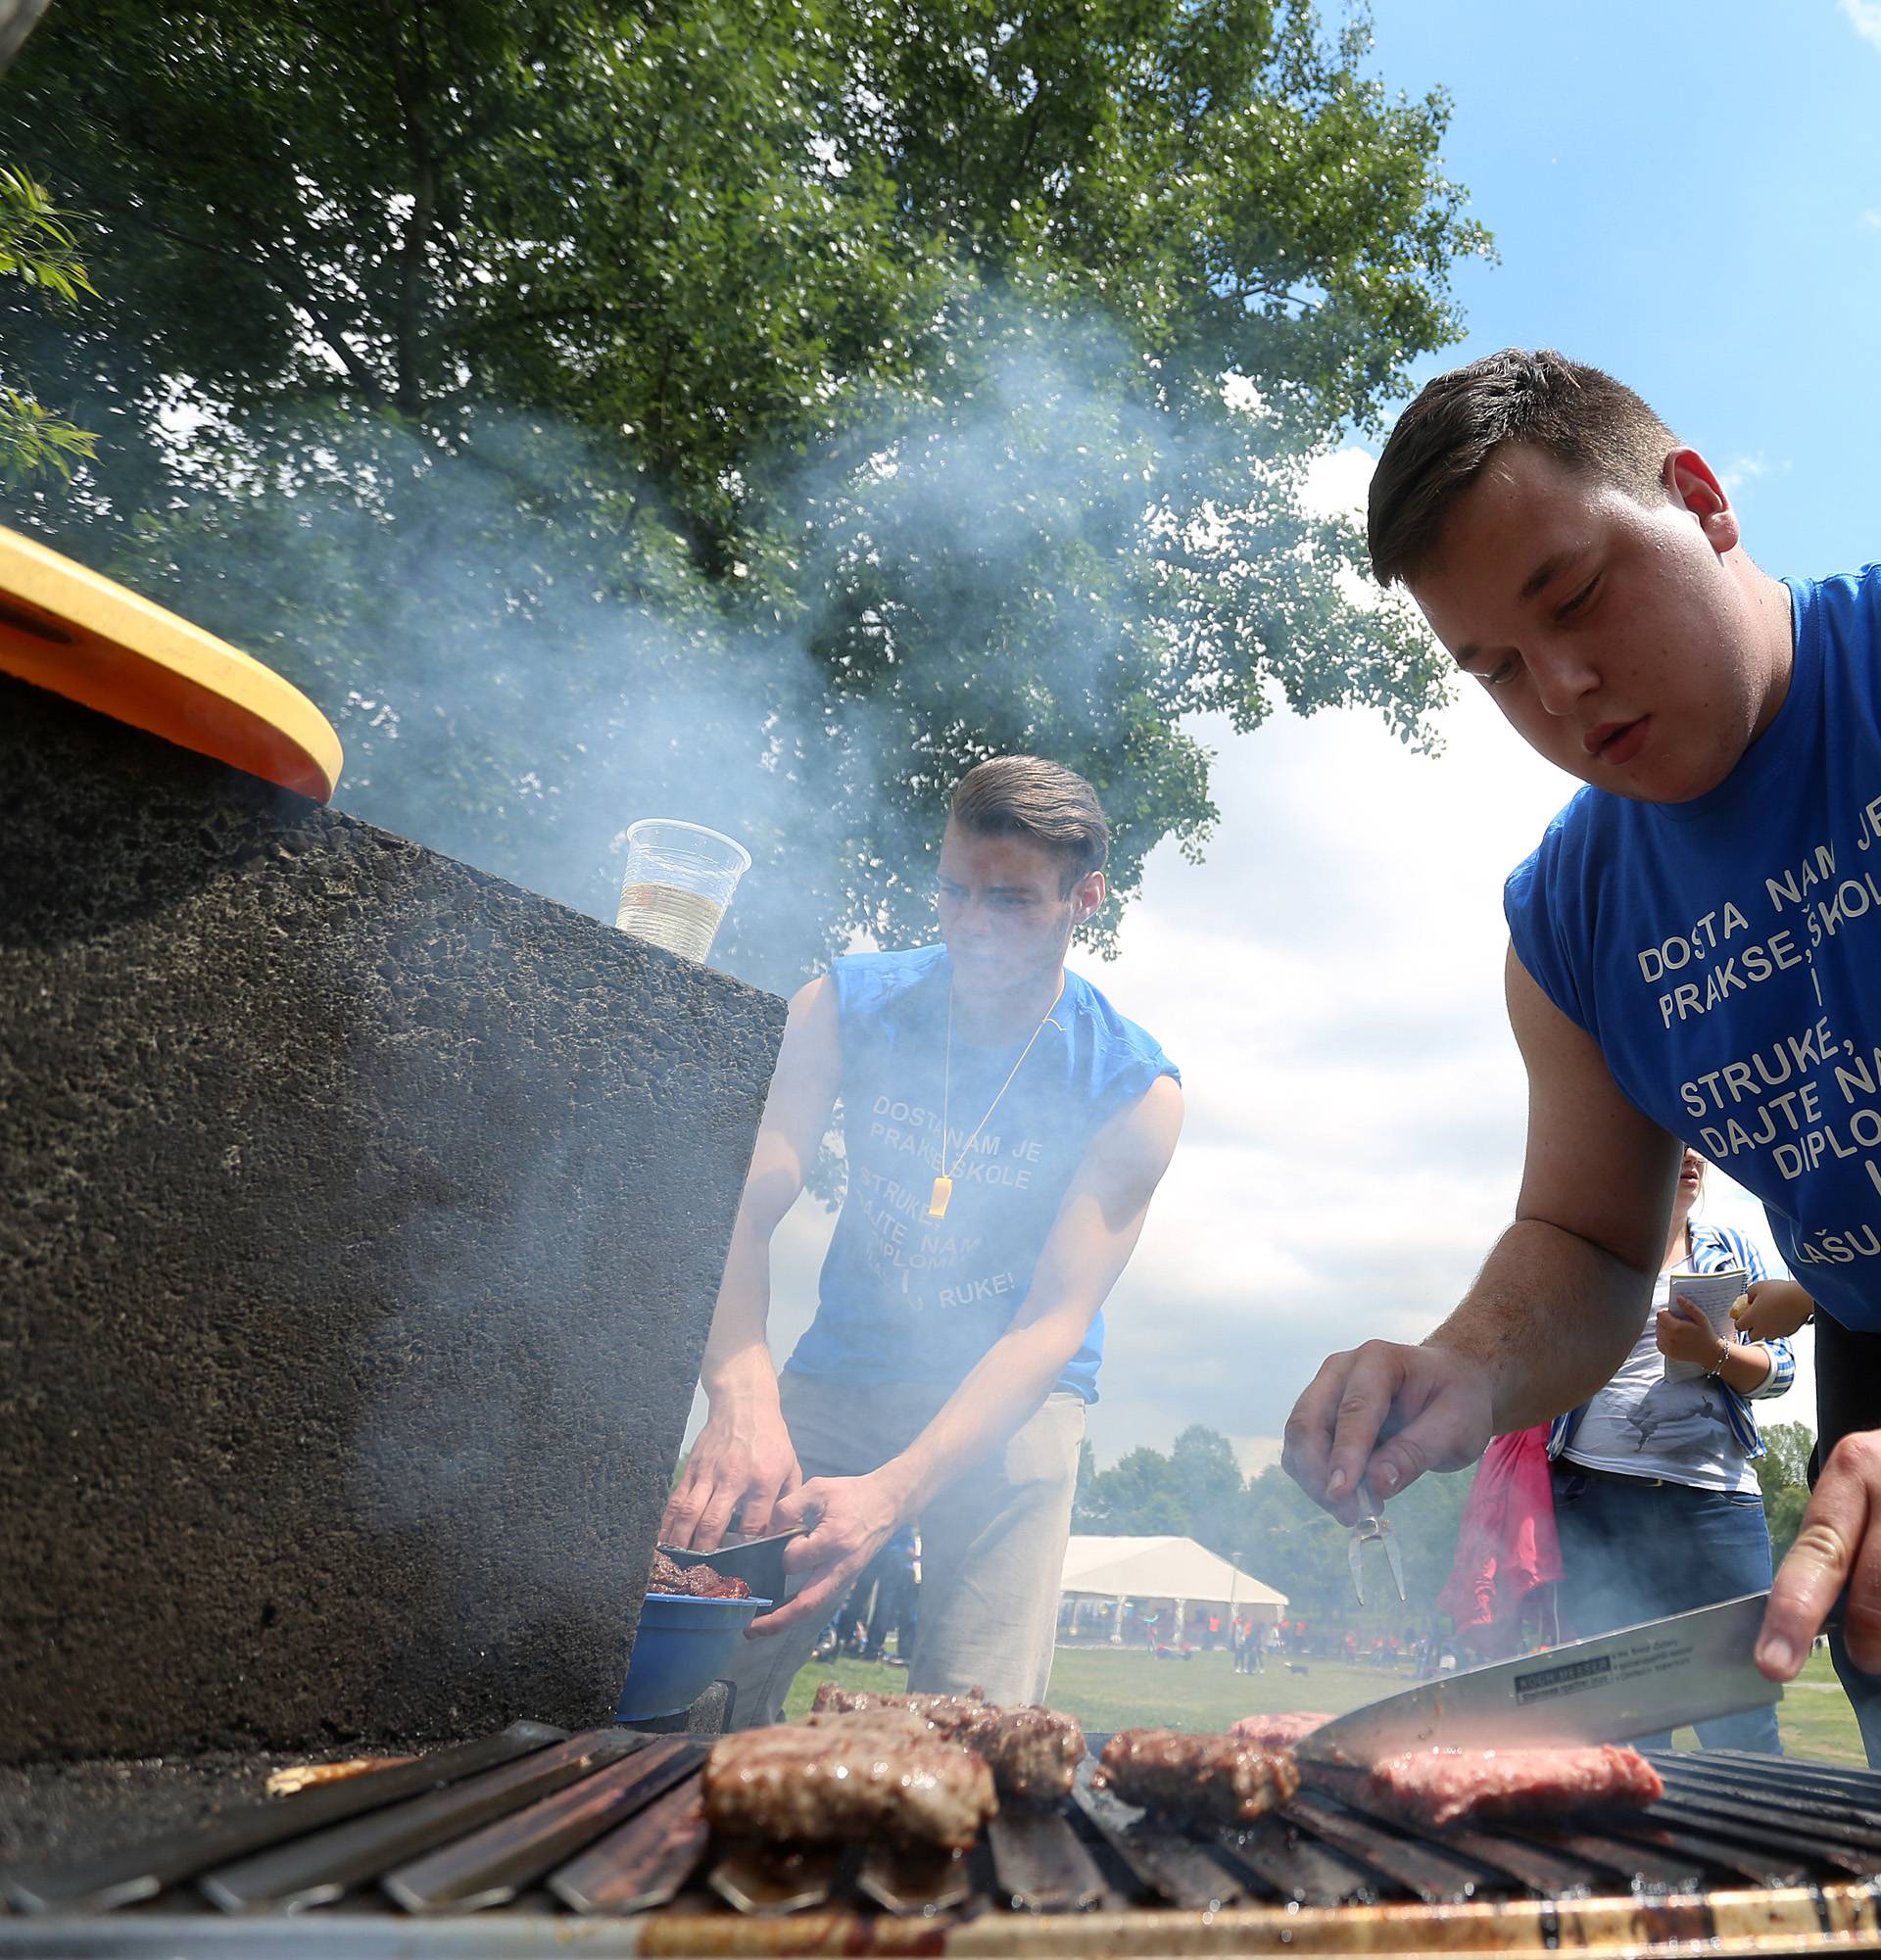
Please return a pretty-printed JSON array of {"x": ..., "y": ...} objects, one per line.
[
  {"x": 837, "y": 1781},
  {"x": 1033, "y": 1752},
  {"x": 1439, "y": 1788},
  {"x": 1278, "y": 1732},
  {"x": 1209, "y": 1780}
]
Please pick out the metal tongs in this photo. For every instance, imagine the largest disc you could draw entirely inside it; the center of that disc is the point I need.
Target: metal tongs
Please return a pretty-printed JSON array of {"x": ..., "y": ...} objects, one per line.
[{"x": 1372, "y": 1529}]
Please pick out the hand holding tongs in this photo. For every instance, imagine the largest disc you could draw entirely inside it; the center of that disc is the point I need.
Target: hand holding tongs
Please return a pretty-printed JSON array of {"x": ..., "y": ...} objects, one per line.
[{"x": 1373, "y": 1529}]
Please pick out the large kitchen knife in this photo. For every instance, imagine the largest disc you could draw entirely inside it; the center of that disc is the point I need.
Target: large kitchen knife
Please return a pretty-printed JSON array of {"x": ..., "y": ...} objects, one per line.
[{"x": 1631, "y": 1683}]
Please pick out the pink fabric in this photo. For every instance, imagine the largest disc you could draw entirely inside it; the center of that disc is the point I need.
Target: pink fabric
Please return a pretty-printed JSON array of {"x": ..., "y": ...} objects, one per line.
[{"x": 1506, "y": 1544}]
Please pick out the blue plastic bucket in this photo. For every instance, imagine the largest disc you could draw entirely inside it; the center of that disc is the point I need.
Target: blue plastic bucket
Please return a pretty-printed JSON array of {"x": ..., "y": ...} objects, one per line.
[{"x": 681, "y": 1648}]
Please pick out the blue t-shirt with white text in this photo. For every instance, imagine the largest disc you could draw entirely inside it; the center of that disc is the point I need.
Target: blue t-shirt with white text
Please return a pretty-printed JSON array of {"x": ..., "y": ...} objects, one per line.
[
  {"x": 906, "y": 1298},
  {"x": 1725, "y": 953}
]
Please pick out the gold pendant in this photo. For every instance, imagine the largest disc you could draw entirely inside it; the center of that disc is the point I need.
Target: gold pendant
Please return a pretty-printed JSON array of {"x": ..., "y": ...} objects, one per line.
[{"x": 937, "y": 1198}]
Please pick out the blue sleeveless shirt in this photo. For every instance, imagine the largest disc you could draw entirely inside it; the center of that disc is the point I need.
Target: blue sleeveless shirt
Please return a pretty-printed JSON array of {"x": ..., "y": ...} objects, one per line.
[
  {"x": 1725, "y": 953},
  {"x": 906, "y": 1298}
]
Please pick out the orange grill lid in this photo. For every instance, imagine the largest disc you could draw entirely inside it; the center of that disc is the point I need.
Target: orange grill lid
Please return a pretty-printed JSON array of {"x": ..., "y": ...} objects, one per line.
[{"x": 82, "y": 636}]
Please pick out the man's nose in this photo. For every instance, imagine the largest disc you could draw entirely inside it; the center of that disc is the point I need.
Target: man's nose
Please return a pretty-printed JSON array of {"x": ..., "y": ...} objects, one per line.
[{"x": 1563, "y": 674}]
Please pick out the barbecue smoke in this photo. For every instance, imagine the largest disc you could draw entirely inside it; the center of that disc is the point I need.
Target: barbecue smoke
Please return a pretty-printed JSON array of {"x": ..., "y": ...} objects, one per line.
[{"x": 522, "y": 659}]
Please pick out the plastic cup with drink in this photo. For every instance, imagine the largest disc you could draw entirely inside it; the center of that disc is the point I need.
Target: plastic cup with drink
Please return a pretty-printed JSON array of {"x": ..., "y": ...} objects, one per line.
[{"x": 678, "y": 879}]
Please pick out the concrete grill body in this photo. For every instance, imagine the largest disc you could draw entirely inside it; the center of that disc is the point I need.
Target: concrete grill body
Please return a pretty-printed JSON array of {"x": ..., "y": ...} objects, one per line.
[{"x": 360, "y": 1217}]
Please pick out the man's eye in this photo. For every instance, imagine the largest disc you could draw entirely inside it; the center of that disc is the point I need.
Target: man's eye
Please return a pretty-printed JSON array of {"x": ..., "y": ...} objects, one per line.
[
  {"x": 1572, "y": 607},
  {"x": 1502, "y": 670}
]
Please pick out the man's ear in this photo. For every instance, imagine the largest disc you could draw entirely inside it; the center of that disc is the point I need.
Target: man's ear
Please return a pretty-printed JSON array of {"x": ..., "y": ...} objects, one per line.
[
  {"x": 1088, "y": 895},
  {"x": 1693, "y": 485}
]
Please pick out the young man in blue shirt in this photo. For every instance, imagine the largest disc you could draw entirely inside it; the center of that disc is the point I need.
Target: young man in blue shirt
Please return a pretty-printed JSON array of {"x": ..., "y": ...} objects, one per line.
[
  {"x": 1693, "y": 946},
  {"x": 1003, "y": 1131}
]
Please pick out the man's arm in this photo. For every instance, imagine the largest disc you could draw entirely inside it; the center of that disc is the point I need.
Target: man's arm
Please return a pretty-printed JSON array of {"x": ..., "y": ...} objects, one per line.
[
  {"x": 1558, "y": 1303},
  {"x": 1089, "y": 1244},
  {"x": 743, "y": 1461}
]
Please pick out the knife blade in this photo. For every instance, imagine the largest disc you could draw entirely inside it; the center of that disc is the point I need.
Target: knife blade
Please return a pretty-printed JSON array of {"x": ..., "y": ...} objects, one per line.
[{"x": 1642, "y": 1679}]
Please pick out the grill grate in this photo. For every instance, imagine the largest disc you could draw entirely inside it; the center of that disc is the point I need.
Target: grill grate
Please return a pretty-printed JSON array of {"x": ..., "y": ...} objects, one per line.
[{"x": 605, "y": 1825}]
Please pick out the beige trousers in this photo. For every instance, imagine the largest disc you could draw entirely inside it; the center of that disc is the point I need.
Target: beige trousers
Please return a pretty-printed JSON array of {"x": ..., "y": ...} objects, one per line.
[{"x": 992, "y": 1543}]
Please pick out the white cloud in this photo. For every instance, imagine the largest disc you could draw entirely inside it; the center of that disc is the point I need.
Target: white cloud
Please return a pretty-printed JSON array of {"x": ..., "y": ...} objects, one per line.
[
  {"x": 1740, "y": 471},
  {"x": 1864, "y": 16}
]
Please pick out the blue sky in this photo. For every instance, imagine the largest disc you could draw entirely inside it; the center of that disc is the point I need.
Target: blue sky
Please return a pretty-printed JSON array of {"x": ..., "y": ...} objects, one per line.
[{"x": 1689, "y": 197}]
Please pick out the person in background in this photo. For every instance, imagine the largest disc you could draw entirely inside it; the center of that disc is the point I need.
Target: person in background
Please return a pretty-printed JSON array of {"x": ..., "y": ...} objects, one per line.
[
  {"x": 1004, "y": 1128},
  {"x": 1692, "y": 952},
  {"x": 1657, "y": 1503}
]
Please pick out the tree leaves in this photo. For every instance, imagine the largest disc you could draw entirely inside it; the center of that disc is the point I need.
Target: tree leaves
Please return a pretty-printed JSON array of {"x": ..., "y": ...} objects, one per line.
[
  {"x": 751, "y": 414},
  {"x": 38, "y": 248}
]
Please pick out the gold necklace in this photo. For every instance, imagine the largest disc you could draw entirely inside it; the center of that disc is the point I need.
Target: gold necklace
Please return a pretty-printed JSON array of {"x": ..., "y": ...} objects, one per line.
[{"x": 943, "y": 1192}]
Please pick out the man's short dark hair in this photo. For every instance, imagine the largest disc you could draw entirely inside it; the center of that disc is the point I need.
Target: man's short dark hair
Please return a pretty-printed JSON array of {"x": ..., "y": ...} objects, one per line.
[
  {"x": 1026, "y": 796},
  {"x": 1580, "y": 416}
]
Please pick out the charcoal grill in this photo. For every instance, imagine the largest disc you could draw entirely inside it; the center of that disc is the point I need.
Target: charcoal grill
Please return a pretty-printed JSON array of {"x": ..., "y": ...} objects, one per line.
[{"x": 533, "y": 1841}]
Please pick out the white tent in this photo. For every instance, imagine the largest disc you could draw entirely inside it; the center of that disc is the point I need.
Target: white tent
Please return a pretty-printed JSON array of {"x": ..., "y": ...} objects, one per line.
[{"x": 1120, "y": 1569}]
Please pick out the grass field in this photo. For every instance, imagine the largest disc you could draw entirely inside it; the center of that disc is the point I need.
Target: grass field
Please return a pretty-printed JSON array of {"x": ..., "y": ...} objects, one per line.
[{"x": 1111, "y": 1688}]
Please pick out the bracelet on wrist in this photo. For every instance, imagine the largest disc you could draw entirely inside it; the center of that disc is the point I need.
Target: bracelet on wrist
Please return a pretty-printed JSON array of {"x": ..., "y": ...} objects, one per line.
[{"x": 1716, "y": 1369}]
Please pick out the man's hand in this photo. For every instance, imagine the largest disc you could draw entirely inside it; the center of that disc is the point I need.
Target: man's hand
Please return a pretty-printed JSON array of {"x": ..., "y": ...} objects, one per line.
[
  {"x": 1772, "y": 1310},
  {"x": 1682, "y": 1333},
  {"x": 851, "y": 1519},
  {"x": 1838, "y": 1544},
  {"x": 739, "y": 1468},
  {"x": 1384, "y": 1415}
]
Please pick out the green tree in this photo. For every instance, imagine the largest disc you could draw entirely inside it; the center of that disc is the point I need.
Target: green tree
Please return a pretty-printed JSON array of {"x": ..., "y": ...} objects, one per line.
[
  {"x": 763, "y": 412},
  {"x": 1783, "y": 1476},
  {"x": 1140, "y": 1496},
  {"x": 37, "y": 247},
  {"x": 1785, "y": 1462}
]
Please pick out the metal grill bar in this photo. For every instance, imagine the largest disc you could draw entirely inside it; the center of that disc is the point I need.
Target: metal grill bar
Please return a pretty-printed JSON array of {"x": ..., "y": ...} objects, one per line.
[
  {"x": 1039, "y": 1864},
  {"x": 1542, "y": 1872},
  {"x": 1165, "y": 1864},
  {"x": 1287, "y": 1866},
  {"x": 1424, "y": 1871},
  {"x": 122, "y": 1877},
  {"x": 1647, "y": 1859},
  {"x": 492, "y": 1865},
  {"x": 910, "y": 1883},
  {"x": 643, "y": 1863},
  {"x": 762, "y": 1882},
  {"x": 318, "y": 1870},
  {"x": 1711, "y": 1855},
  {"x": 1799, "y": 1800}
]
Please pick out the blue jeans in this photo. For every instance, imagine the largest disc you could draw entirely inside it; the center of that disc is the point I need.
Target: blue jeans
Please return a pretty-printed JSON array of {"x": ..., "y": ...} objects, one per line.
[{"x": 1635, "y": 1550}]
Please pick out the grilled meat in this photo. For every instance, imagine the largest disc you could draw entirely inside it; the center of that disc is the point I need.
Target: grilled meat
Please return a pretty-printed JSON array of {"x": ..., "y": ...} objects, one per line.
[
  {"x": 697, "y": 1582},
  {"x": 1033, "y": 1753},
  {"x": 834, "y": 1785},
  {"x": 1211, "y": 1780},
  {"x": 1436, "y": 1788},
  {"x": 833, "y": 1701},
  {"x": 1276, "y": 1731}
]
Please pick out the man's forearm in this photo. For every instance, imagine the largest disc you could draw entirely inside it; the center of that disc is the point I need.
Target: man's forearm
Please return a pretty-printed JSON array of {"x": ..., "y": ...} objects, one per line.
[
  {"x": 1006, "y": 1387},
  {"x": 738, "y": 1352},
  {"x": 1551, "y": 1316}
]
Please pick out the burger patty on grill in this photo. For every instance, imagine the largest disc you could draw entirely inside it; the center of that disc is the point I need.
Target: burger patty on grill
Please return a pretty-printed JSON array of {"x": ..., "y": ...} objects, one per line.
[
  {"x": 1276, "y": 1731},
  {"x": 829, "y": 1786},
  {"x": 1204, "y": 1779},
  {"x": 1439, "y": 1787},
  {"x": 1034, "y": 1752}
]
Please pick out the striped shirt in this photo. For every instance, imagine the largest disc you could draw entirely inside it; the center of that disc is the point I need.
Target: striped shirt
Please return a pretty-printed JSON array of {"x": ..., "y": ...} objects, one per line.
[{"x": 1716, "y": 1249}]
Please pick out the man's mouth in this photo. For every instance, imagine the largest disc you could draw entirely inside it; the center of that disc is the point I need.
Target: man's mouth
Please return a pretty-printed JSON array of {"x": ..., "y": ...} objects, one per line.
[{"x": 1615, "y": 741}]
